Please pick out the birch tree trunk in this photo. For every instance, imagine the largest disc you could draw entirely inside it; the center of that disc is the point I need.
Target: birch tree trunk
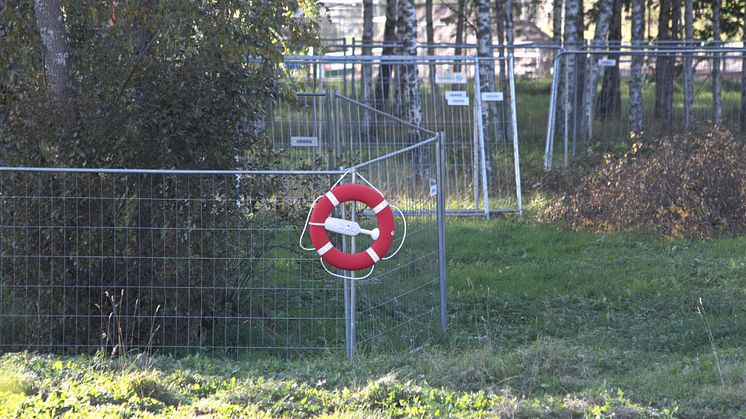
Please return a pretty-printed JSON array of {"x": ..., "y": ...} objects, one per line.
[
  {"x": 688, "y": 69},
  {"x": 557, "y": 40},
  {"x": 51, "y": 25},
  {"x": 411, "y": 76},
  {"x": 557, "y": 22},
  {"x": 399, "y": 76},
  {"x": 486, "y": 78},
  {"x": 460, "y": 26},
  {"x": 743, "y": 76},
  {"x": 411, "y": 94},
  {"x": 670, "y": 69},
  {"x": 572, "y": 10},
  {"x": 430, "y": 33},
  {"x": 599, "y": 38},
  {"x": 660, "y": 111},
  {"x": 716, "y": 88},
  {"x": 383, "y": 85},
  {"x": 500, "y": 18},
  {"x": 3, "y": 110},
  {"x": 635, "y": 82},
  {"x": 580, "y": 68},
  {"x": 610, "y": 99},
  {"x": 509, "y": 39},
  {"x": 367, "y": 68}
]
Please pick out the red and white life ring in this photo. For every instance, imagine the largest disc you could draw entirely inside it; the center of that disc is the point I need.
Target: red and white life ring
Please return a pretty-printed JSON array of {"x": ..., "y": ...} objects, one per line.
[{"x": 323, "y": 209}]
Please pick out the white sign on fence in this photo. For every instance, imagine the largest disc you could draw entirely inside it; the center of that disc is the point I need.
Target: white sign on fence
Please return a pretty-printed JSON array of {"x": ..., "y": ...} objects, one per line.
[
  {"x": 458, "y": 101},
  {"x": 433, "y": 187},
  {"x": 492, "y": 96},
  {"x": 304, "y": 141},
  {"x": 607, "y": 62},
  {"x": 450, "y": 78},
  {"x": 454, "y": 94}
]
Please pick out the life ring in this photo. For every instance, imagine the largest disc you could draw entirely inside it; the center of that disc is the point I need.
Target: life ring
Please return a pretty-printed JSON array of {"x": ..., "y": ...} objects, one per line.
[{"x": 323, "y": 209}]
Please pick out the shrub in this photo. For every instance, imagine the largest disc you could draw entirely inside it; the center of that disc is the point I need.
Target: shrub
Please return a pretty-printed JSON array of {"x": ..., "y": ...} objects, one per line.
[{"x": 689, "y": 185}]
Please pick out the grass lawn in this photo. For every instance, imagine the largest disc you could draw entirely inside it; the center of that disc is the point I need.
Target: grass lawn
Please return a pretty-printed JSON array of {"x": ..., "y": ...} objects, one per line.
[{"x": 543, "y": 322}]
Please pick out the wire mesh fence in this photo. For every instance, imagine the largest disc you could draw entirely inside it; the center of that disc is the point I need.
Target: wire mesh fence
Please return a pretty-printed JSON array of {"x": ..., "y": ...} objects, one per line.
[
  {"x": 680, "y": 88},
  {"x": 371, "y": 87},
  {"x": 181, "y": 261}
]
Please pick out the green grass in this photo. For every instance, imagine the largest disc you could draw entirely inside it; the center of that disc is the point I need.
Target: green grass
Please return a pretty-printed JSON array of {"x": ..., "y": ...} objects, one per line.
[{"x": 542, "y": 322}]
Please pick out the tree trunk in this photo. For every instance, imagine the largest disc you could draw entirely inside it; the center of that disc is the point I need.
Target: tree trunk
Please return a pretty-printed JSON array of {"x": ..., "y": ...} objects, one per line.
[
  {"x": 57, "y": 59},
  {"x": 688, "y": 69},
  {"x": 661, "y": 112},
  {"x": 716, "y": 88},
  {"x": 460, "y": 26},
  {"x": 557, "y": 22},
  {"x": 367, "y": 68},
  {"x": 599, "y": 37},
  {"x": 430, "y": 33},
  {"x": 610, "y": 99},
  {"x": 557, "y": 40},
  {"x": 670, "y": 72},
  {"x": 580, "y": 67},
  {"x": 572, "y": 10},
  {"x": 487, "y": 79},
  {"x": 399, "y": 76},
  {"x": 500, "y": 18},
  {"x": 383, "y": 85},
  {"x": 635, "y": 82},
  {"x": 743, "y": 76},
  {"x": 411, "y": 94}
]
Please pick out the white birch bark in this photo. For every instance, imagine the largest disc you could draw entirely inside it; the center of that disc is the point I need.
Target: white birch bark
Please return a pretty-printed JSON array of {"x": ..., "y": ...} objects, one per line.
[
  {"x": 572, "y": 10},
  {"x": 557, "y": 22},
  {"x": 599, "y": 38},
  {"x": 716, "y": 87},
  {"x": 486, "y": 78},
  {"x": 51, "y": 25},
  {"x": 411, "y": 76},
  {"x": 743, "y": 76},
  {"x": 688, "y": 69},
  {"x": 367, "y": 68},
  {"x": 430, "y": 34},
  {"x": 383, "y": 84},
  {"x": 635, "y": 83}
]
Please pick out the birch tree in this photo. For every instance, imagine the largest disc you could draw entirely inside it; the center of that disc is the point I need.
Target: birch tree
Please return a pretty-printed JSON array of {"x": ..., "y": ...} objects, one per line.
[
  {"x": 670, "y": 69},
  {"x": 367, "y": 50},
  {"x": 486, "y": 78},
  {"x": 557, "y": 39},
  {"x": 383, "y": 85},
  {"x": 716, "y": 88},
  {"x": 430, "y": 34},
  {"x": 688, "y": 69},
  {"x": 572, "y": 10},
  {"x": 57, "y": 61},
  {"x": 661, "y": 111},
  {"x": 557, "y": 22},
  {"x": 610, "y": 99},
  {"x": 599, "y": 38},
  {"x": 460, "y": 29},
  {"x": 743, "y": 75},
  {"x": 411, "y": 94},
  {"x": 635, "y": 83}
]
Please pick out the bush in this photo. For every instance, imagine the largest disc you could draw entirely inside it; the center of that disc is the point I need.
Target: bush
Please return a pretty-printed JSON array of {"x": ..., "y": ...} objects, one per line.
[{"x": 689, "y": 185}]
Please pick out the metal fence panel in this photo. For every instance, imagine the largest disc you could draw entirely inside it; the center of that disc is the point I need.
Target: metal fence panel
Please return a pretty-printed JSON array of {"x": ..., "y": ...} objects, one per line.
[
  {"x": 664, "y": 108},
  {"x": 448, "y": 92},
  {"x": 182, "y": 261}
]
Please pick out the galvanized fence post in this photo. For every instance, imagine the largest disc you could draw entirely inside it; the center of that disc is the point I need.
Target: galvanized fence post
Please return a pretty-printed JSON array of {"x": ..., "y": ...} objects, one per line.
[
  {"x": 441, "y": 220},
  {"x": 514, "y": 123},
  {"x": 480, "y": 137}
]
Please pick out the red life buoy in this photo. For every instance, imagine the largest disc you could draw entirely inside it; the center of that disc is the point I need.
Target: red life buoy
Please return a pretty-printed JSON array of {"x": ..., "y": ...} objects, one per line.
[{"x": 323, "y": 209}]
